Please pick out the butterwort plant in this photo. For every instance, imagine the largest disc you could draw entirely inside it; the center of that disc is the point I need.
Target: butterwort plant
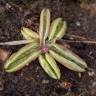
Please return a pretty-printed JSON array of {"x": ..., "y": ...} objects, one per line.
[{"x": 45, "y": 47}]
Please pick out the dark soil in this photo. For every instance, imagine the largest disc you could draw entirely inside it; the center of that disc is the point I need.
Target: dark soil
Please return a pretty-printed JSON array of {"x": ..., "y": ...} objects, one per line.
[{"x": 32, "y": 80}]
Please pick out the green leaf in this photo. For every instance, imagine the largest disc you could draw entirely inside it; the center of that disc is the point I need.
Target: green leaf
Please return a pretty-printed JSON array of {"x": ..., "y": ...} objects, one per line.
[
  {"x": 29, "y": 34},
  {"x": 61, "y": 33},
  {"x": 49, "y": 66},
  {"x": 68, "y": 58},
  {"x": 24, "y": 56},
  {"x": 53, "y": 65},
  {"x": 58, "y": 29},
  {"x": 55, "y": 28},
  {"x": 44, "y": 25}
]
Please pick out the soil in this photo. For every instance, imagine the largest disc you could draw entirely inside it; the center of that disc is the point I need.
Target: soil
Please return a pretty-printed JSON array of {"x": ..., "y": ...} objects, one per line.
[{"x": 32, "y": 80}]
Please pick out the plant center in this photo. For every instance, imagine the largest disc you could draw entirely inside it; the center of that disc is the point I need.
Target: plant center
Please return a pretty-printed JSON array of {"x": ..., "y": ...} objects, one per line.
[{"x": 44, "y": 48}]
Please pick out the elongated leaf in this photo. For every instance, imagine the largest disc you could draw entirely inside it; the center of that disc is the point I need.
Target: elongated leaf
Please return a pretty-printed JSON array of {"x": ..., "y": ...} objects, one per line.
[
  {"x": 55, "y": 28},
  {"x": 53, "y": 64},
  {"x": 26, "y": 36},
  {"x": 68, "y": 58},
  {"x": 24, "y": 56},
  {"x": 47, "y": 67},
  {"x": 67, "y": 63},
  {"x": 61, "y": 33},
  {"x": 21, "y": 51},
  {"x": 29, "y": 34},
  {"x": 44, "y": 24},
  {"x": 68, "y": 53}
]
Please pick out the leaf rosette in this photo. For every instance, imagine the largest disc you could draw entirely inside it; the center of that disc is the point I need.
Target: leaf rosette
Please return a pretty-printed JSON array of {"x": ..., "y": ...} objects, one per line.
[{"x": 46, "y": 49}]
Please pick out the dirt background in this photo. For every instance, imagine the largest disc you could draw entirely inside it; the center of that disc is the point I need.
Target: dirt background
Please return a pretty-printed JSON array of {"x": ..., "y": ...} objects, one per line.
[{"x": 32, "y": 80}]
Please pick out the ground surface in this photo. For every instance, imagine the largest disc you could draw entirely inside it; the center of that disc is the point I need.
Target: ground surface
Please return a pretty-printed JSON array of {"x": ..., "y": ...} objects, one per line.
[{"x": 32, "y": 80}]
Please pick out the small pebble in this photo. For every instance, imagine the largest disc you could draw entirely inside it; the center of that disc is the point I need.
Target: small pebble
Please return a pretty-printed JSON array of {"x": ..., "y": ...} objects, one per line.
[
  {"x": 4, "y": 54},
  {"x": 91, "y": 73},
  {"x": 94, "y": 84},
  {"x": 8, "y": 6},
  {"x": 21, "y": 75},
  {"x": 79, "y": 74},
  {"x": 78, "y": 24},
  {"x": 27, "y": 95},
  {"x": 65, "y": 85},
  {"x": 45, "y": 81}
]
